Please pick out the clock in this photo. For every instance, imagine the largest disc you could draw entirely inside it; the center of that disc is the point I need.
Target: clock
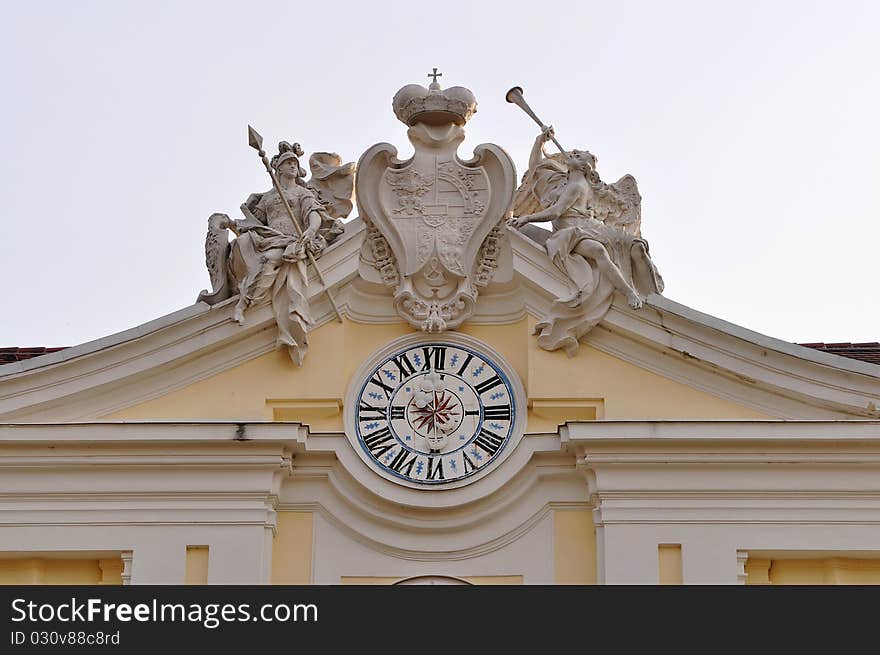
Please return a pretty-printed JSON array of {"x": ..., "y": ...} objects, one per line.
[{"x": 435, "y": 413}]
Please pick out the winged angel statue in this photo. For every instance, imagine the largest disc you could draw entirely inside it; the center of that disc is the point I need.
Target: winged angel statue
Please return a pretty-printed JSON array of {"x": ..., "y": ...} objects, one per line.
[
  {"x": 596, "y": 239},
  {"x": 267, "y": 260}
]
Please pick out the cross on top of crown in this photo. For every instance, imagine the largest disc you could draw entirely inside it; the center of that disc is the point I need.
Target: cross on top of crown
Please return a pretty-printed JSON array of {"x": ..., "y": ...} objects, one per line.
[{"x": 435, "y": 75}]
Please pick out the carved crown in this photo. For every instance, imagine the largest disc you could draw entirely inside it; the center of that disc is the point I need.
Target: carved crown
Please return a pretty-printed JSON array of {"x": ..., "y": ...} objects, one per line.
[{"x": 434, "y": 106}]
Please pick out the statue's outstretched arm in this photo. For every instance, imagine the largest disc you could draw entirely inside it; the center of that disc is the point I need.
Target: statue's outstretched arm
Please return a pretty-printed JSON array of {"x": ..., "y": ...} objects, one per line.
[
  {"x": 565, "y": 202},
  {"x": 538, "y": 155}
]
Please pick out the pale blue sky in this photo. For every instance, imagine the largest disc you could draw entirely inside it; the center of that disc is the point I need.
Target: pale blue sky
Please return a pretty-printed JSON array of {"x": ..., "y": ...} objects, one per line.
[{"x": 751, "y": 128}]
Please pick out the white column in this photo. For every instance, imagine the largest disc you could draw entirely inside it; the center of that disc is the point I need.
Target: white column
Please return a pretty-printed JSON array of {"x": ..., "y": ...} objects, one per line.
[
  {"x": 709, "y": 557},
  {"x": 630, "y": 555},
  {"x": 239, "y": 557},
  {"x": 155, "y": 561},
  {"x": 742, "y": 556},
  {"x": 600, "y": 544},
  {"x": 126, "y": 557}
]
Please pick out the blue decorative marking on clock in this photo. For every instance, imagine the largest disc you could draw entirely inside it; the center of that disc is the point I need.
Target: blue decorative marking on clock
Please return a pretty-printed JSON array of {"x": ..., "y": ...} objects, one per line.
[{"x": 439, "y": 424}]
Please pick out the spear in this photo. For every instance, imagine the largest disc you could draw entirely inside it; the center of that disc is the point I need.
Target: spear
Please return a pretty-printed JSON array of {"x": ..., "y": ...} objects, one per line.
[{"x": 255, "y": 141}]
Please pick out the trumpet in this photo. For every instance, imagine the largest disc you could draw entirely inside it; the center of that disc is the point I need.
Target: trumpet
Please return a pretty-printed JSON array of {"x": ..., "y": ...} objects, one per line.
[{"x": 515, "y": 95}]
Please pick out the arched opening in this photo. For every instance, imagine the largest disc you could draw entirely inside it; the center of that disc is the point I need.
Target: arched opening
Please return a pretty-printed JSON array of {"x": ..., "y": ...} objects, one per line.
[{"x": 432, "y": 580}]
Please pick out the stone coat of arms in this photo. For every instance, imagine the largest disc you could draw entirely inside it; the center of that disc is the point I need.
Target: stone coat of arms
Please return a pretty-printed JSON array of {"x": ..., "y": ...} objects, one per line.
[{"x": 435, "y": 223}]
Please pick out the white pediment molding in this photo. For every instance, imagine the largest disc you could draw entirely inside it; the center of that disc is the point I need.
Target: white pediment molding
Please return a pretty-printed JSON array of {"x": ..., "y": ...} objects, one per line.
[
  {"x": 103, "y": 376},
  {"x": 781, "y": 379},
  {"x": 121, "y": 370}
]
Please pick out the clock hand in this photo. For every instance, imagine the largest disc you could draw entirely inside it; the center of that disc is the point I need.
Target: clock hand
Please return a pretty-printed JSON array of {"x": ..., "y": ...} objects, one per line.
[{"x": 434, "y": 422}]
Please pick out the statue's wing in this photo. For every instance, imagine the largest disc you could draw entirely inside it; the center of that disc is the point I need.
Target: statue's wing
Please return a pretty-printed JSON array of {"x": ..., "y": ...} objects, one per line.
[
  {"x": 216, "y": 250},
  {"x": 332, "y": 182},
  {"x": 620, "y": 205},
  {"x": 540, "y": 186}
]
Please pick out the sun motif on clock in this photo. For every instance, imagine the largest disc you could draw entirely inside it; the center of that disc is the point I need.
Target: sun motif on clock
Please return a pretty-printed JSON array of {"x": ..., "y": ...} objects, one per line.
[{"x": 435, "y": 413}]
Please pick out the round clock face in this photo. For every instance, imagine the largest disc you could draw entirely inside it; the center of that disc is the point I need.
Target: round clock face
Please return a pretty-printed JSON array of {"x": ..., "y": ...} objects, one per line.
[{"x": 435, "y": 412}]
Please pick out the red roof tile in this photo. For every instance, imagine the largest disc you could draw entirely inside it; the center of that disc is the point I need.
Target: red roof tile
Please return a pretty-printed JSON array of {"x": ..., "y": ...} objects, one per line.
[
  {"x": 868, "y": 351},
  {"x": 9, "y": 355}
]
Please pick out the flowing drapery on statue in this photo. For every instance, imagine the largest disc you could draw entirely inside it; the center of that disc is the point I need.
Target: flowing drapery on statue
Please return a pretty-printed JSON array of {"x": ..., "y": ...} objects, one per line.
[
  {"x": 596, "y": 240},
  {"x": 268, "y": 259}
]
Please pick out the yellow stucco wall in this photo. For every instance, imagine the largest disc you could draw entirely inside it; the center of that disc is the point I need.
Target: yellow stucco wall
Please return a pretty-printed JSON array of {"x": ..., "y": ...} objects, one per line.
[
  {"x": 292, "y": 548},
  {"x": 196, "y": 571},
  {"x": 590, "y": 385},
  {"x": 248, "y": 391},
  {"x": 814, "y": 571},
  {"x": 669, "y": 569},
  {"x": 574, "y": 546},
  {"x": 59, "y": 571}
]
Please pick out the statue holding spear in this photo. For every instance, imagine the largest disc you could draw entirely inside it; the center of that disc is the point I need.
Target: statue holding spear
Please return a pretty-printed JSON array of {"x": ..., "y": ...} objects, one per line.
[{"x": 284, "y": 230}]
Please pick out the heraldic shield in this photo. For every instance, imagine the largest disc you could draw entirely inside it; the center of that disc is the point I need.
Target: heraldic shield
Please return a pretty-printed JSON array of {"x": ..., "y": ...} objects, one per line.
[{"x": 435, "y": 223}]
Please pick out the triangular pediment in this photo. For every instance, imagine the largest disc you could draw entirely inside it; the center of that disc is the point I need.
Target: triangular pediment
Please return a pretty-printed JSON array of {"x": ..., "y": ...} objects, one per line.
[{"x": 663, "y": 351}]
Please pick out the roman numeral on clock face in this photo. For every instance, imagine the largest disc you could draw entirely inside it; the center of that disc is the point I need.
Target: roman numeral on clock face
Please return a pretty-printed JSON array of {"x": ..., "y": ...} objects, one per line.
[
  {"x": 404, "y": 365},
  {"x": 497, "y": 412},
  {"x": 380, "y": 441},
  {"x": 397, "y": 411},
  {"x": 377, "y": 380},
  {"x": 435, "y": 472},
  {"x": 489, "y": 441},
  {"x": 463, "y": 368},
  {"x": 401, "y": 464},
  {"x": 491, "y": 383},
  {"x": 367, "y": 412},
  {"x": 435, "y": 357}
]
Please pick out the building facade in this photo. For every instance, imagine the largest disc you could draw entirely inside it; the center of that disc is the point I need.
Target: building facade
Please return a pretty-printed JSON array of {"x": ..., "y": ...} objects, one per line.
[{"x": 438, "y": 391}]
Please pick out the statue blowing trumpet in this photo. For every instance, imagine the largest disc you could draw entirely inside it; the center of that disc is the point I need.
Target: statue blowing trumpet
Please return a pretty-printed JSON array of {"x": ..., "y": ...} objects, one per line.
[{"x": 515, "y": 95}]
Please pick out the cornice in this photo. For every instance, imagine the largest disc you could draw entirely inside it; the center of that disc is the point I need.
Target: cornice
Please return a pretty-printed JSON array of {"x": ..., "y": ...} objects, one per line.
[
  {"x": 733, "y": 431},
  {"x": 288, "y": 435},
  {"x": 773, "y": 376}
]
